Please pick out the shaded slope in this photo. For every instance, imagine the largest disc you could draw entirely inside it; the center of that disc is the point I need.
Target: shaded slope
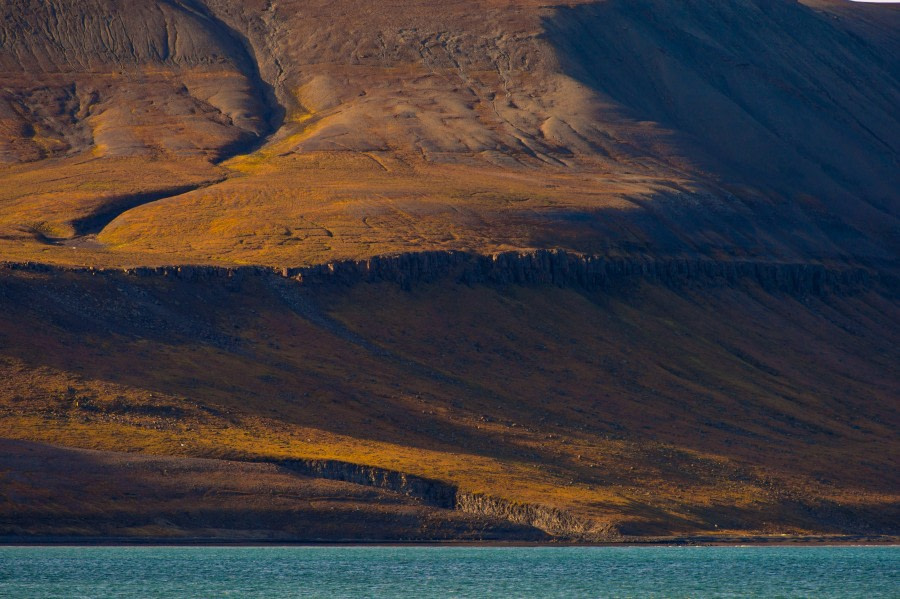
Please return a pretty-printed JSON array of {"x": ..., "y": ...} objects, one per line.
[
  {"x": 775, "y": 95},
  {"x": 640, "y": 409},
  {"x": 752, "y": 129},
  {"x": 57, "y": 493},
  {"x": 769, "y": 96}
]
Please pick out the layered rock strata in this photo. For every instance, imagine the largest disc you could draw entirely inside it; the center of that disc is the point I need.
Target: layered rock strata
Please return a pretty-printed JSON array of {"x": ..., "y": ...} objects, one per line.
[{"x": 540, "y": 267}]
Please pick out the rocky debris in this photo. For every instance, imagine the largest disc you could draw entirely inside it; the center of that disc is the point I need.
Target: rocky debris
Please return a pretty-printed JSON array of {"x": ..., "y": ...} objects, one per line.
[
  {"x": 440, "y": 494},
  {"x": 109, "y": 76},
  {"x": 534, "y": 268},
  {"x": 131, "y": 497},
  {"x": 549, "y": 519}
]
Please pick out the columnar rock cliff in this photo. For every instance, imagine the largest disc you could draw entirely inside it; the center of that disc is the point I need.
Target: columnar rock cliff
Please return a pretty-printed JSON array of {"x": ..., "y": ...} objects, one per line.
[{"x": 542, "y": 267}]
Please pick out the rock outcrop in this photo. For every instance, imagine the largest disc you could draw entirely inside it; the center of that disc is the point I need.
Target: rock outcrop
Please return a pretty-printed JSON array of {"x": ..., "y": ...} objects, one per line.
[
  {"x": 551, "y": 520},
  {"x": 565, "y": 269},
  {"x": 431, "y": 492},
  {"x": 440, "y": 494},
  {"x": 539, "y": 267}
]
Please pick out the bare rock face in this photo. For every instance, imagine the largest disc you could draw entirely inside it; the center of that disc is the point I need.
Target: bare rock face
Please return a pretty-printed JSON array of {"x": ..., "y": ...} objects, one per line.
[
  {"x": 111, "y": 495},
  {"x": 784, "y": 98},
  {"x": 539, "y": 268}
]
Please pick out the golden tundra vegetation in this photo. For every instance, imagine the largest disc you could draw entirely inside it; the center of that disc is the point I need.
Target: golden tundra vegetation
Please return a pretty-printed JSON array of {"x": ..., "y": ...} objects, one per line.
[{"x": 237, "y": 246}]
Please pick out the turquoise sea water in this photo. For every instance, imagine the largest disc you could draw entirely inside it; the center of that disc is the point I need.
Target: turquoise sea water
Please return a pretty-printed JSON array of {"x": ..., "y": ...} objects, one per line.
[{"x": 71, "y": 572}]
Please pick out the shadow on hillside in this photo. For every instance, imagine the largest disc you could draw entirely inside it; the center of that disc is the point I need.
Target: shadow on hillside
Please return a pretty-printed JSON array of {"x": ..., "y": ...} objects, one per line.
[
  {"x": 66, "y": 494},
  {"x": 112, "y": 208},
  {"x": 772, "y": 95},
  {"x": 697, "y": 223},
  {"x": 477, "y": 370}
]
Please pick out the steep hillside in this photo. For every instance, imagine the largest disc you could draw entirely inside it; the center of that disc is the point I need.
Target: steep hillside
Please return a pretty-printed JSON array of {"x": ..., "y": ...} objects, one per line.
[
  {"x": 756, "y": 128},
  {"x": 594, "y": 270},
  {"x": 653, "y": 406}
]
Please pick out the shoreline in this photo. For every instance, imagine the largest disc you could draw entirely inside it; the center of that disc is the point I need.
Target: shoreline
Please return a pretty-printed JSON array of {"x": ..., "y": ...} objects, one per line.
[{"x": 697, "y": 541}]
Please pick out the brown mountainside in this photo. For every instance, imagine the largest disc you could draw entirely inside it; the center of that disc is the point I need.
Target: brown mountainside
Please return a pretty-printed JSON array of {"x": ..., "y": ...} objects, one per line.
[{"x": 593, "y": 269}]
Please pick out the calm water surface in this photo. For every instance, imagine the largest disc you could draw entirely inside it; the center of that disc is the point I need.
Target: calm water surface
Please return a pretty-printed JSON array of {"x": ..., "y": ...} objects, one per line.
[{"x": 27, "y": 572}]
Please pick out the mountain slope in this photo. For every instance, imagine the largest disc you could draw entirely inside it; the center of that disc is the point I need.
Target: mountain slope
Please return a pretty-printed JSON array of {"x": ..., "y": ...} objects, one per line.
[
  {"x": 595, "y": 270},
  {"x": 602, "y": 125},
  {"x": 659, "y": 407}
]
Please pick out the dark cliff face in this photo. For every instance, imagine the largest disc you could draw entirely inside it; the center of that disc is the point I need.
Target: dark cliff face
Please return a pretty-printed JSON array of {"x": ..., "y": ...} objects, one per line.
[
  {"x": 110, "y": 495},
  {"x": 551, "y": 521},
  {"x": 537, "y": 268},
  {"x": 564, "y": 269}
]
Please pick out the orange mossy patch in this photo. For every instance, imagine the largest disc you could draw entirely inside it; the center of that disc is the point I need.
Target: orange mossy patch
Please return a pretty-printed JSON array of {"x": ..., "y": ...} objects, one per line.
[
  {"x": 307, "y": 209},
  {"x": 40, "y": 204}
]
